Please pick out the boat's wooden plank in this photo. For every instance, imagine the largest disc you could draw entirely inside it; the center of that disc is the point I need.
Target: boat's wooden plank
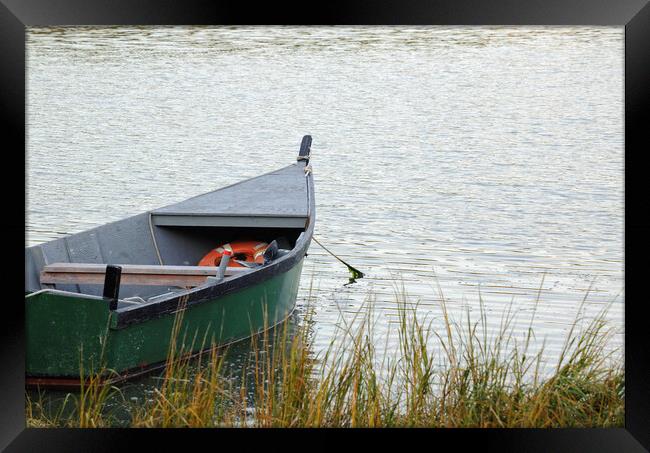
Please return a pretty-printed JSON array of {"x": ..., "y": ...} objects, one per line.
[
  {"x": 89, "y": 278},
  {"x": 154, "y": 269}
]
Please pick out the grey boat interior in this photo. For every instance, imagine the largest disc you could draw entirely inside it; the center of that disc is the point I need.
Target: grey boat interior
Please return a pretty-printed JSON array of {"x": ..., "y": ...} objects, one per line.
[{"x": 274, "y": 206}]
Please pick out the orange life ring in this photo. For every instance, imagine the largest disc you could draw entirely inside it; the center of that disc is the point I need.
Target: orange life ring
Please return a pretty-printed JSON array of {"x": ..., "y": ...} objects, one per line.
[{"x": 248, "y": 251}]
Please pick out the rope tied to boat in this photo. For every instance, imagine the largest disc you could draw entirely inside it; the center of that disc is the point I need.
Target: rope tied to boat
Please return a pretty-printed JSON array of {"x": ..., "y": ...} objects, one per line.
[
  {"x": 153, "y": 238},
  {"x": 307, "y": 170},
  {"x": 354, "y": 272},
  {"x": 306, "y": 157}
]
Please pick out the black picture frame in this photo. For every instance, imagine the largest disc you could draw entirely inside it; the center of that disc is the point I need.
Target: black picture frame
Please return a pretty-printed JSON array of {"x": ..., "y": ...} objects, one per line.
[{"x": 15, "y": 15}]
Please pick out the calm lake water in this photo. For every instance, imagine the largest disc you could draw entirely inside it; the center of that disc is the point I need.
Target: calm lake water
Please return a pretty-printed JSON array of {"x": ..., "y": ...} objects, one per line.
[{"x": 451, "y": 160}]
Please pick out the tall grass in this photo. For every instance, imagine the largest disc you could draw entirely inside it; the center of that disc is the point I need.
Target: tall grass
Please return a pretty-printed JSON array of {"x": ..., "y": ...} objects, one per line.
[
  {"x": 461, "y": 375},
  {"x": 190, "y": 389},
  {"x": 87, "y": 408}
]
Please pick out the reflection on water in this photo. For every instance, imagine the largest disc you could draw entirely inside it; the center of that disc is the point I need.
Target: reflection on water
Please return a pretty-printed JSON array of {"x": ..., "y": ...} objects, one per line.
[{"x": 452, "y": 161}]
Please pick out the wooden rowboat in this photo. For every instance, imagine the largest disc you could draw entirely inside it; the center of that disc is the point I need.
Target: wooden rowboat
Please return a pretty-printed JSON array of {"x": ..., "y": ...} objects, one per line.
[{"x": 107, "y": 297}]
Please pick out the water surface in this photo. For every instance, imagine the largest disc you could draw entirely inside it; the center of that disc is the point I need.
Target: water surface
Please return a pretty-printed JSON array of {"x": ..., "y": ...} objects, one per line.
[{"x": 455, "y": 161}]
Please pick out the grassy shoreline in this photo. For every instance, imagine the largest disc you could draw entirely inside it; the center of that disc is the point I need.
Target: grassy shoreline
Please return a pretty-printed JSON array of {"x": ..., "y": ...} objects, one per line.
[{"x": 494, "y": 381}]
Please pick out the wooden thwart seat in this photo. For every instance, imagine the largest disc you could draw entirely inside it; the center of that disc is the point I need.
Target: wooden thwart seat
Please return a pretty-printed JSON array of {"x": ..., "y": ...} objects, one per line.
[{"x": 133, "y": 274}]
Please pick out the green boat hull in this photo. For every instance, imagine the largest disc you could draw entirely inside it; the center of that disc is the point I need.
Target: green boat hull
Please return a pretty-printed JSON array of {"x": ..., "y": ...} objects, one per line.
[{"x": 70, "y": 334}]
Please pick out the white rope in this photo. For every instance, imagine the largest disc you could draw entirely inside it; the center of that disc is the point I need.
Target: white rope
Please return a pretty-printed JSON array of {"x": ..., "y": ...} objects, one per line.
[
  {"x": 307, "y": 170},
  {"x": 307, "y": 157},
  {"x": 153, "y": 238}
]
